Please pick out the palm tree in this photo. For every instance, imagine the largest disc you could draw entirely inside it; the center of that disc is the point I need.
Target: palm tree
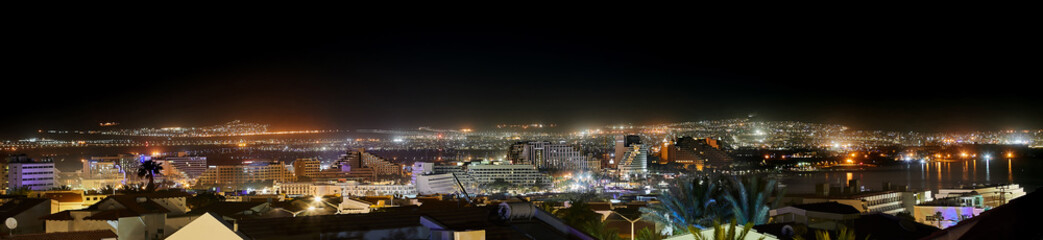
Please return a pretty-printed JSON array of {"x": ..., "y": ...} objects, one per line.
[
  {"x": 648, "y": 234},
  {"x": 720, "y": 232},
  {"x": 108, "y": 189},
  {"x": 149, "y": 169},
  {"x": 578, "y": 214},
  {"x": 843, "y": 233},
  {"x": 694, "y": 201},
  {"x": 750, "y": 198},
  {"x": 599, "y": 230}
]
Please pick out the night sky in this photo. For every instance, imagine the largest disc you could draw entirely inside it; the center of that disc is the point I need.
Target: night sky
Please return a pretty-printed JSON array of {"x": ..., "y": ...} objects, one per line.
[{"x": 881, "y": 73}]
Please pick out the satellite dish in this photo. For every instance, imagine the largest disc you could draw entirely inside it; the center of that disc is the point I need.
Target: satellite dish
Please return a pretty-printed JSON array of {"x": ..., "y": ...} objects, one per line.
[
  {"x": 788, "y": 231},
  {"x": 11, "y": 223}
]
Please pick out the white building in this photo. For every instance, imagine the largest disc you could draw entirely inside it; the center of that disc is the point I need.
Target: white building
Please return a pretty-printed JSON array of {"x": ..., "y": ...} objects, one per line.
[
  {"x": 208, "y": 226},
  {"x": 350, "y": 188},
  {"x": 994, "y": 195},
  {"x": 307, "y": 188},
  {"x": 143, "y": 216},
  {"x": 36, "y": 175},
  {"x": 948, "y": 211},
  {"x": 441, "y": 179},
  {"x": 192, "y": 167},
  {"x": 888, "y": 202},
  {"x": 234, "y": 176},
  {"x": 634, "y": 161},
  {"x": 518, "y": 174},
  {"x": 436, "y": 184},
  {"x": 355, "y": 189},
  {"x": 352, "y": 206}
]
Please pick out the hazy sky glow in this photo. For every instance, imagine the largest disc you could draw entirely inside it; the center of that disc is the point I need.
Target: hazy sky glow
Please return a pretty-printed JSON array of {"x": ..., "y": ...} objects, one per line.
[{"x": 890, "y": 75}]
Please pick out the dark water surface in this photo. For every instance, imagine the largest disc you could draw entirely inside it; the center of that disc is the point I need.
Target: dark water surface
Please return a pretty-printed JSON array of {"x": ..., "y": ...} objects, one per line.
[{"x": 931, "y": 176}]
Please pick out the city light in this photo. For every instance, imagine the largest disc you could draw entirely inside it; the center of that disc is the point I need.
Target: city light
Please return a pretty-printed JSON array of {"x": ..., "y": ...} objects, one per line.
[{"x": 487, "y": 130}]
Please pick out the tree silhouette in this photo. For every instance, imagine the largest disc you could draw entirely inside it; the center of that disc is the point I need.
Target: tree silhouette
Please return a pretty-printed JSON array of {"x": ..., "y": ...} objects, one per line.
[{"x": 149, "y": 169}]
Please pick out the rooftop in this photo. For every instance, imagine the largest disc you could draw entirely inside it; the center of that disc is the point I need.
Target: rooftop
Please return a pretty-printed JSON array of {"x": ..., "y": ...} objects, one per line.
[
  {"x": 64, "y": 197},
  {"x": 19, "y": 205},
  {"x": 828, "y": 207},
  {"x": 82, "y": 235},
  {"x": 278, "y": 228}
]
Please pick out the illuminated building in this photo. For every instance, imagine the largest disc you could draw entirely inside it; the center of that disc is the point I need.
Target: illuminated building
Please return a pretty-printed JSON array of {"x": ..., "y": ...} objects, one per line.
[
  {"x": 947, "y": 211},
  {"x": 546, "y": 155},
  {"x": 518, "y": 174},
  {"x": 685, "y": 150},
  {"x": 437, "y": 179},
  {"x": 349, "y": 188},
  {"x": 306, "y": 188},
  {"x": 993, "y": 195},
  {"x": 191, "y": 167},
  {"x": 145, "y": 216},
  {"x": 634, "y": 158},
  {"x": 890, "y": 200},
  {"x": 355, "y": 189},
  {"x": 444, "y": 183},
  {"x": 37, "y": 175},
  {"x": 306, "y": 167},
  {"x": 235, "y": 176},
  {"x": 103, "y": 166},
  {"x": 362, "y": 159},
  {"x": 621, "y": 144}
]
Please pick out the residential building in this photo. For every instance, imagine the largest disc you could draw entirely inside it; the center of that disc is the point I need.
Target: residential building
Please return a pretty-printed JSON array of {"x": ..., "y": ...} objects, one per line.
[
  {"x": 950, "y": 210},
  {"x": 37, "y": 175},
  {"x": 1018, "y": 219},
  {"x": 191, "y": 167},
  {"x": 993, "y": 195},
  {"x": 82, "y": 235},
  {"x": 307, "y": 188},
  {"x": 234, "y": 176},
  {"x": 356, "y": 189},
  {"x": 133, "y": 216},
  {"x": 444, "y": 183},
  {"x": 69, "y": 199},
  {"x": 823, "y": 215},
  {"x": 517, "y": 174},
  {"x": 362, "y": 159},
  {"x": 634, "y": 162},
  {"x": 306, "y": 167},
  {"x": 703, "y": 152},
  {"x": 888, "y": 201},
  {"x": 547, "y": 155},
  {"x": 208, "y": 226},
  {"x": 27, "y": 213},
  {"x": 503, "y": 221},
  {"x": 123, "y": 163},
  {"x": 354, "y": 206},
  {"x": 430, "y": 178}
]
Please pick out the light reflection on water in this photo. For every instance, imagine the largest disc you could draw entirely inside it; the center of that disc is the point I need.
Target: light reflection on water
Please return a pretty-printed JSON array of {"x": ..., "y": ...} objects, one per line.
[{"x": 929, "y": 176}]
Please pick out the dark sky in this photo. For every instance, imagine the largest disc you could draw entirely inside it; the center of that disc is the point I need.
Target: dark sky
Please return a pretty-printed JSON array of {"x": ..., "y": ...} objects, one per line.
[{"x": 877, "y": 72}]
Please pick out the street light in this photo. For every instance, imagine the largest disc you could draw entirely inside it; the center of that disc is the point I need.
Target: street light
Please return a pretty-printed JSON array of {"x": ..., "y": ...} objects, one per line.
[
  {"x": 310, "y": 208},
  {"x": 632, "y": 233},
  {"x": 318, "y": 199}
]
